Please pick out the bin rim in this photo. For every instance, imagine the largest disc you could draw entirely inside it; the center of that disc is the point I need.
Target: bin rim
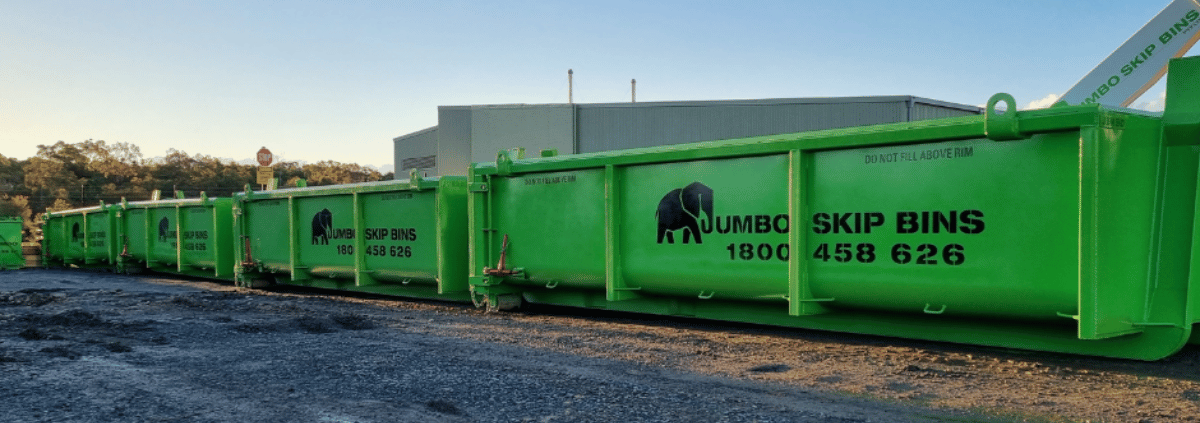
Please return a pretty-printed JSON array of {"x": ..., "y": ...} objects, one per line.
[
  {"x": 81, "y": 210},
  {"x": 1053, "y": 119},
  {"x": 174, "y": 202},
  {"x": 360, "y": 187}
]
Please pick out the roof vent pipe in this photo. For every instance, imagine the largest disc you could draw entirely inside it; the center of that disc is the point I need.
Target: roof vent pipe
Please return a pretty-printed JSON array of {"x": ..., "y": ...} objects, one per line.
[
  {"x": 633, "y": 83},
  {"x": 570, "y": 86}
]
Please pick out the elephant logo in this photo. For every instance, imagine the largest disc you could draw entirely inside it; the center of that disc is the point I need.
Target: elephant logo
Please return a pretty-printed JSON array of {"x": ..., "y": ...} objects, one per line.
[
  {"x": 322, "y": 227},
  {"x": 681, "y": 208},
  {"x": 76, "y": 234},
  {"x": 164, "y": 226}
]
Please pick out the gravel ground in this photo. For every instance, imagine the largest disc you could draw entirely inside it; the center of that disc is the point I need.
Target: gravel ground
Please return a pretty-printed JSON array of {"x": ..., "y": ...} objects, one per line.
[{"x": 96, "y": 347}]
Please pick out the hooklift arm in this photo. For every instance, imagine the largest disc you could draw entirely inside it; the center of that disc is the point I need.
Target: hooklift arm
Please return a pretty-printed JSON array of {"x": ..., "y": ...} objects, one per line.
[{"x": 1142, "y": 60}]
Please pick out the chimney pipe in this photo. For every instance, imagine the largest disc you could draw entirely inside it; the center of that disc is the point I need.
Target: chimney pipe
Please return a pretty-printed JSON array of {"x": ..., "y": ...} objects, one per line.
[
  {"x": 570, "y": 86},
  {"x": 633, "y": 82}
]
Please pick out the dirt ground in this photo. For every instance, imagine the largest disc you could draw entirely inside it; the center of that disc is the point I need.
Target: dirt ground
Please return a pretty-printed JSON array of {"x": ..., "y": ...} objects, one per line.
[{"x": 97, "y": 347}]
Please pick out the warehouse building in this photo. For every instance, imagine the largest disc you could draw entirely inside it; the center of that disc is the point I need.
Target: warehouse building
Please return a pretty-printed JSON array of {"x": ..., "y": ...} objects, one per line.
[{"x": 466, "y": 134}]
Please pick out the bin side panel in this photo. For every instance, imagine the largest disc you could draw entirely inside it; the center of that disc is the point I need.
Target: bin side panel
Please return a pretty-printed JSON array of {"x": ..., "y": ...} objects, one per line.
[
  {"x": 555, "y": 225},
  {"x": 163, "y": 237},
  {"x": 135, "y": 233},
  {"x": 326, "y": 228},
  {"x": 198, "y": 226},
  {"x": 401, "y": 234},
  {"x": 74, "y": 233},
  {"x": 97, "y": 236},
  {"x": 268, "y": 231},
  {"x": 712, "y": 227},
  {"x": 964, "y": 227}
]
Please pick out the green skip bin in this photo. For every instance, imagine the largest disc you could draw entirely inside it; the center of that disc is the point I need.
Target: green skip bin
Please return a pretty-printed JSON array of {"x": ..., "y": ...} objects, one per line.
[
  {"x": 10, "y": 243},
  {"x": 187, "y": 236},
  {"x": 1068, "y": 229},
  {"x": 84, "y": 237},
  {"x": 405, "y": 238}
]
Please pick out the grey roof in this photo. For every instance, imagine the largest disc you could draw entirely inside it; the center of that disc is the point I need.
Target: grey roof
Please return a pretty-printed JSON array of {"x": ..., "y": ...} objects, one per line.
[{"x": 413, "y": 134}]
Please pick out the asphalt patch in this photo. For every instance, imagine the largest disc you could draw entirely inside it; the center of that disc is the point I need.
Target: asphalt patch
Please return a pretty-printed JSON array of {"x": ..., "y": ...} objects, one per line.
[
  {"x": 61, "y": 351},
  {"x": 29, "y": 297},
  {"x": 771, "y": 368},
  {"x": 33, "y": 334},
  {"x": 70, "y": 318},
  {"x": 444, "y": 407},
  {"x": 353, "y": 321},
  {"x": 316, "y": 325}
]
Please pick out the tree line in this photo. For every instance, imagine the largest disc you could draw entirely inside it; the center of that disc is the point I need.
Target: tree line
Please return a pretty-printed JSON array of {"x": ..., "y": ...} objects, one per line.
[{"x": 64, "y": 175}]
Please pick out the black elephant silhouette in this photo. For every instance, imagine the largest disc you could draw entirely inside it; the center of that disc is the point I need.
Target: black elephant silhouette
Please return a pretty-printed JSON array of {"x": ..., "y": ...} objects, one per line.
[
  {"x": 322, "y": 227},
  {"x": 164, "y": 225},
  {"x": 76, "y": 234},
  {"x": 681, "y": 208}
]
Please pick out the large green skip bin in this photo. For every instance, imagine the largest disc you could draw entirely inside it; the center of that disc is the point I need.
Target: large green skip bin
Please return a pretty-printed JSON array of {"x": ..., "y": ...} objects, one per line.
[
  {"x": 10, "y": 243},
  {"x": 84, "y": 237},
  {"x": 1068, "y": 229},
  {"x": 405, "y": 238},
  {"x": 184, "y": 236}
]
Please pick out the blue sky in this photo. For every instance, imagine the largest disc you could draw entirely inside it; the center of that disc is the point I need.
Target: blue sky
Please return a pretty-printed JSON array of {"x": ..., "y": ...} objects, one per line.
[{"x": 322, "y": 80}]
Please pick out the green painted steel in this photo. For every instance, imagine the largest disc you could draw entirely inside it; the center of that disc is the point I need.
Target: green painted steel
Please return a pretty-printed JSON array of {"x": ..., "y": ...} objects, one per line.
[
  {"x": 1068, "y": 229},
  {"x": 83, "y": 237},
  {"x": 10, "y": 243},
  {"x": 405, "y": 238},
  {"x": 184, "y": 236}
]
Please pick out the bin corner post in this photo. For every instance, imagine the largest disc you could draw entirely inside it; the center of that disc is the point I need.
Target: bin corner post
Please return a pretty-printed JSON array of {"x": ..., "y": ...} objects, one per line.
[
  {"x": 615, "y": 287},
  {"x": 115, "y": 234},
  {"x": 85, "y": 260},
  {"x": 296, "y": 272},
  {"x": 477, "y": 235},
  {"x": 223, "y": 241},
  {"x": 237, "y": 235},
  {"x": 121, "y": 235},
  {"x": 452, "y": 241},
  {"x": 179, "y": 264},
  {"x": 1093, "y": 319},
  {"x": 1181, "y": 116},
  {"x": 147, "y": 238},
  {"x": 1181, "y": 126},
  {"x": 494, "y": 293},
  {"x": 801, "y": 301}
]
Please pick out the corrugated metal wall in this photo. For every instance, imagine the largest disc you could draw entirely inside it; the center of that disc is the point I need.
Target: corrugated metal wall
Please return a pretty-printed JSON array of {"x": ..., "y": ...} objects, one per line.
[
  {"x": 495, "y": 128},
  {"x": 416, "y": 150},
  {"x": 606, "y": 127},
  {"x": 475, "y": 133},
  {"x": 924, "y": 111},
  {"x": 454, "y": 140}
]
